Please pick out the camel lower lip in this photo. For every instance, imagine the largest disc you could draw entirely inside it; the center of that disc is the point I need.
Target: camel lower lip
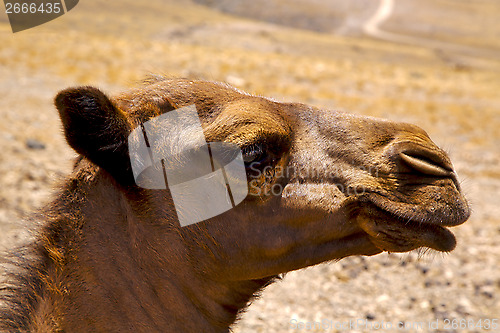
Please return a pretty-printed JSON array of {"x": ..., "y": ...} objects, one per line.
[
  {"x": 440, "y": 239},
  {"x": 393, "y": 234}
]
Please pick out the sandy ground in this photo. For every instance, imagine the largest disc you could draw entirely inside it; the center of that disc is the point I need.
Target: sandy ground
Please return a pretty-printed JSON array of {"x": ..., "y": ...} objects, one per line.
[{"x": 389, "y": 290}]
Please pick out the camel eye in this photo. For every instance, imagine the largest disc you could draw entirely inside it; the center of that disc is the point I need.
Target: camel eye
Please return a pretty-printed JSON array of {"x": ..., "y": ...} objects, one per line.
[{"x": 255, "y": 155}]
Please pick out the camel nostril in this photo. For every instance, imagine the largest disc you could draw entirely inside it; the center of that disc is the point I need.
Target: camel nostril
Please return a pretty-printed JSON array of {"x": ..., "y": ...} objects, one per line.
[{"x": 429, "y": 166}]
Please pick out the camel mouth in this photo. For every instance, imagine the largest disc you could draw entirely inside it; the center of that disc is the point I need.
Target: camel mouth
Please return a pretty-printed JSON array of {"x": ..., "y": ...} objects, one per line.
[
  {"x": 392, "y": 233},
  {"x": 419, "y": 218}
]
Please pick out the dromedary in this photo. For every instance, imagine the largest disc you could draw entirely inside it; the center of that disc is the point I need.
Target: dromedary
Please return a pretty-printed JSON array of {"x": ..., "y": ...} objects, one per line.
[{"x": 111, "y": 256}]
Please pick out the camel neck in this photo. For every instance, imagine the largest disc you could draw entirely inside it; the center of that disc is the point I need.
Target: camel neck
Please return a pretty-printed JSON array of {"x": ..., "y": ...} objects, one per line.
[{"x": 126, "y": 272}]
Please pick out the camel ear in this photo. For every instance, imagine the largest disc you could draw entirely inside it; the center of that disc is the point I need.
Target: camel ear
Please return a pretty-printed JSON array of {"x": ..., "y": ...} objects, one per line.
[{"x": 96, "y": 129}]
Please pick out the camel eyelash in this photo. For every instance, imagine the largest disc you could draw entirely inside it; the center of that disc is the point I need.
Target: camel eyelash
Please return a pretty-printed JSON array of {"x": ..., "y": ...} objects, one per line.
[{"x": 254, "y": 153}]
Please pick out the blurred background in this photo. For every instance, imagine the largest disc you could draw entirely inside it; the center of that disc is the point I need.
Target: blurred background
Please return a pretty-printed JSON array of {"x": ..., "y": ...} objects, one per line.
[{"x": 434, "y": 63}]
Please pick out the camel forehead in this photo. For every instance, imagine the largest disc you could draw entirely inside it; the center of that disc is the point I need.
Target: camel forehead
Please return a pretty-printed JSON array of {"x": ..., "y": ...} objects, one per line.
[
  {"x": 179, "y": 93},
  {"x": 221, "y": 108}
]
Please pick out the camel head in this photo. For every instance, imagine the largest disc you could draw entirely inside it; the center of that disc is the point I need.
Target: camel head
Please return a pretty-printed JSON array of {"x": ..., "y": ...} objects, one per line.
[{"x": 322, "y": 185}]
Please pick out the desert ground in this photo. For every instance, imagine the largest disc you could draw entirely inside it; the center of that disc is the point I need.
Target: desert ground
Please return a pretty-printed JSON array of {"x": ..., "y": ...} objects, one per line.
[{"x": 444, "y": 76}]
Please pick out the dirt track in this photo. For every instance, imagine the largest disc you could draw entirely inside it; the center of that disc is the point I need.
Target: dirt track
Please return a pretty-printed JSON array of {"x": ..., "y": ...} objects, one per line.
[{"x": 372, "y": 27}]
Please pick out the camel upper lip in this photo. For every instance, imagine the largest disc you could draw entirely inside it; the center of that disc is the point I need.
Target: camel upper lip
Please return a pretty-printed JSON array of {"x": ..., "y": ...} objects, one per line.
[{"x": 409, "y": 212}]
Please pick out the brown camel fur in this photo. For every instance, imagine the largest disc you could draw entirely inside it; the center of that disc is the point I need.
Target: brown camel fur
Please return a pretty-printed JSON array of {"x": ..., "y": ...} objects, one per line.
[{"x": 111, "y": 256}]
